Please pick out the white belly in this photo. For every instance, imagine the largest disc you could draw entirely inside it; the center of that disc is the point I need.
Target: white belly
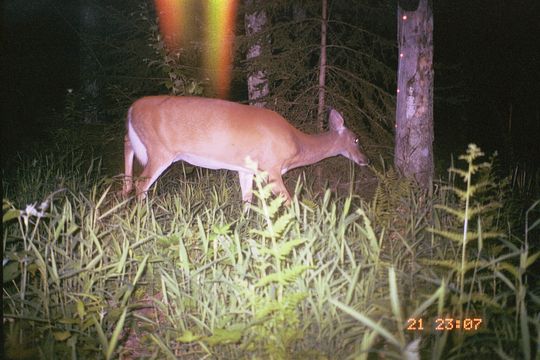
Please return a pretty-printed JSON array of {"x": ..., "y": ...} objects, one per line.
[{"x": 211, "y": 163}]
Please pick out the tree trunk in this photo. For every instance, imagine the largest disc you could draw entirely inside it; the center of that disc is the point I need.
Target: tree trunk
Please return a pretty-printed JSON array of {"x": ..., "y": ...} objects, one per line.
[
  {"x": 322, "y": 67},
  {"x": 255, "y": 21},
  {"x": 414, "y": 108},
  {"x": 322, "y": 82}
]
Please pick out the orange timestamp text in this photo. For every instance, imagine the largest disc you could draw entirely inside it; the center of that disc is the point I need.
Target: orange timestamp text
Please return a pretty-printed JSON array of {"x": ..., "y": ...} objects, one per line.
[{"x": 445, "y": 324}]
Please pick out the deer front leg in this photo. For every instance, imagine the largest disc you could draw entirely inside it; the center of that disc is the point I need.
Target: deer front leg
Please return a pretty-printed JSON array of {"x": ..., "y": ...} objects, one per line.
[
  {"x": 246, "y": 186},
  {"x": 278, "y": 187}
]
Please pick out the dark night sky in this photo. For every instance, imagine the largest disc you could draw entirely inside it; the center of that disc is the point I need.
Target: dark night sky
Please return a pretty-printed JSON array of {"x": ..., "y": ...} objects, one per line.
[
  {"x": 41, "y": 53},
  {"x": 494, "y": 44},
  {"x": 497, "y": 47}
]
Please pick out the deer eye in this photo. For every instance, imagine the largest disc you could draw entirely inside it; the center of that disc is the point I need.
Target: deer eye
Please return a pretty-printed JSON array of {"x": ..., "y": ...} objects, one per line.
[{"x": 356, "y": 141}]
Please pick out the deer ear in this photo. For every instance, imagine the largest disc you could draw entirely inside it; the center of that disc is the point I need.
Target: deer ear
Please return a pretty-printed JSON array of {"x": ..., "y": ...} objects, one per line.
[{"x": 336, "y": 121}]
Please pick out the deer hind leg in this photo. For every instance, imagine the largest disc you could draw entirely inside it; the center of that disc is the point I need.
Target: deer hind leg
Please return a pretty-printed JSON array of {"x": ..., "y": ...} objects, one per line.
[
  {"x": 128, "y": 167},
  {"x": 151, "y": 172}
]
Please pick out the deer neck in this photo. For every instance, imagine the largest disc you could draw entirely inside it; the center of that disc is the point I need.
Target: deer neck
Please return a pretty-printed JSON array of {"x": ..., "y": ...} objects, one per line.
[{"x": 314, "y": 148}]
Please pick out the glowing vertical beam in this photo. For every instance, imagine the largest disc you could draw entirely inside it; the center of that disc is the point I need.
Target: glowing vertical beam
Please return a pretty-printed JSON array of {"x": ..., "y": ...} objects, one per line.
[
  {"x": 170, "y": 13},
  {"x": 221, "y": 15}
]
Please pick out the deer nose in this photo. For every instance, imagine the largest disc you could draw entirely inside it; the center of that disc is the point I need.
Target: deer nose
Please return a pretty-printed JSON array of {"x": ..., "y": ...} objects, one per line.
[{"x": 364, "y": 160}]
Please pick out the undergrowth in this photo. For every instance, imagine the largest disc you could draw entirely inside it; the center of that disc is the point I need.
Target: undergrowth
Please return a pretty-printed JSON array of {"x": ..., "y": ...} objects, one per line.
[{"x": 187, "y": 274}]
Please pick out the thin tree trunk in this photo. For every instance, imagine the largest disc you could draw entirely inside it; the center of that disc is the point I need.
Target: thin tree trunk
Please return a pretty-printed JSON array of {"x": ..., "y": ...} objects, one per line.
[
  {"x": 322, "y": 67},
  {"x": 257, "y": 81},
  {"x": 322, "y": 82},
  {"x": 414, "y": 108}
]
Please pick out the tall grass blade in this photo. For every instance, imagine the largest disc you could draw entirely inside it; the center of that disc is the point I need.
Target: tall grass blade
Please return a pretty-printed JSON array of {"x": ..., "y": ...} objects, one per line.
[
  {"x": 368, "y": 322},
  {"x": 116, "y": 334}
]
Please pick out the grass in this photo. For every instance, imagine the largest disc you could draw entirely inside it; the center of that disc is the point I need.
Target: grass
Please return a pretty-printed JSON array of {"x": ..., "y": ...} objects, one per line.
[{"x": 188, "y": 274}]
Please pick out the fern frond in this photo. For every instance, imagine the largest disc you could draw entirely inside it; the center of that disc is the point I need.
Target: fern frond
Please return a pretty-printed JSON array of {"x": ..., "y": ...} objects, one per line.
[
  {"x": 225, "y": 336},
  {"x": 460, "y": 214},
  {"x": 474, "y": 168},
  {"x": 458, "y": 237},
  {"x": 267, "y": 309},
  {"x": 275, "y": 205},
  {"x": 284, "y": 277},
  {"x": 462, "y": 173},
  {"x": 282, "y": 222},
  {"x": 461, "y": 194},
  {"x": 473, "y": 189},
  {"x": 473, "y": 152},
  {"x": 483, "y": 208},
  {"x": 484, "y": 299},
  {"x": 263, "y": 233},
  {"x": 283, "y": 249},
  {"x": 454, "y": 265},
  {"x": 274, "y": 229}
]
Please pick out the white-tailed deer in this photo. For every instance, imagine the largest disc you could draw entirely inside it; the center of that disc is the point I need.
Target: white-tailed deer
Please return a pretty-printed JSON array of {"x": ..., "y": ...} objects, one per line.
[{"x": 218, "y": 134}]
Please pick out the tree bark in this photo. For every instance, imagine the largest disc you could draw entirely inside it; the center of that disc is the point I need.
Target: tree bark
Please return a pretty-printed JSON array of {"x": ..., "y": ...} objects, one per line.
[
  {"x": 322, "y": 67},
  {"x": 414, "y": 107},
  {"x": 255, "y": 22}
]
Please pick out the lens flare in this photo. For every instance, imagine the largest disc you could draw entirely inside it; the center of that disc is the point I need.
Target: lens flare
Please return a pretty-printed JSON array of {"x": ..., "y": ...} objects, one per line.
[
  {"x": 221, "y": 15},
  {"x": 170, "y": 13},
  {"x": 177, "y": 25}
]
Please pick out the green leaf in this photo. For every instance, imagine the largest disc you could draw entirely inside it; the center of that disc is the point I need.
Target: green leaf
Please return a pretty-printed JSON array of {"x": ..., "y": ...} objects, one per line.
[
  {"x": 183, "y": 254},
  {"x": 225, "y": 336},
  {"x": 11, "y": 271},
  {"x": 368, "y": 341},
  {"x": 525, "y": 334},
  {"x": 116, "y": 334},
  {"x": 510, "y": 268},
  {"x": 535, "y": 224},
  {"x": 68, "y": 321},
  {"x": 61, "y": 335},
  {"x": 310, "y": 204},
  {"x": 80, "y": 309},
  {"x": 394, "y": 301},
  {"x": 188, "y": 337},
  {"x": 10, "y": 215},
  {"x": 221, "y": 230},
  {"x": 532, "y": 259}
]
